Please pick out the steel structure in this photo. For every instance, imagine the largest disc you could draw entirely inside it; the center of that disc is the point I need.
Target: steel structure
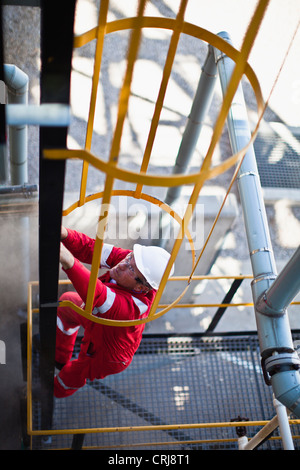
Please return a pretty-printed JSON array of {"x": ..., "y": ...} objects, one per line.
[{"x": 280, "y": 363}]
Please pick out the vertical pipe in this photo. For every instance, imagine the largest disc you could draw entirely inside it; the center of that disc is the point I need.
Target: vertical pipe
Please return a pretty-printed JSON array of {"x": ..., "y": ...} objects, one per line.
[
  {"x": 276, "y": 345},
  {"x": 3, "y": 146},
  {"x": 201, "y": 104},
  {"x": 284, "y": 426},
  {"x": 256, "y": 225},
  {"x": 17, "y": 84},
  {"x": 242, "y": 442},
  {"x": 199, "y": 109}
]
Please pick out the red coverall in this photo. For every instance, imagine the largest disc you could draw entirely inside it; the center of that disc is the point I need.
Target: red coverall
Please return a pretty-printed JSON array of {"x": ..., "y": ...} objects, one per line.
[{"x": 105, "y": 349}]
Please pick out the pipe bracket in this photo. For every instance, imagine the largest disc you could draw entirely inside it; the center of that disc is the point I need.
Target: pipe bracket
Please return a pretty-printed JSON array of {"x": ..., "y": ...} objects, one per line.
[
  {"x": 264, "y": 277},
  {"x": 247, "y": 173},
  {"x": 260, "y": 250},
  {"x": 264, "y": 308}
]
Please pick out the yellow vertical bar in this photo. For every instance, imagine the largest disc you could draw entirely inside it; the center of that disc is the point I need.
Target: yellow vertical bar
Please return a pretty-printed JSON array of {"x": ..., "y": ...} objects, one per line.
[
  {"x": 96, "y": 74},
  {"x": 232, "y": 87},
  {"x": 114, "y": 152},
  {"x": 125, "y": 92},
  {"x": 162, "y": 91},
  {"x": 177, "y": 244}
]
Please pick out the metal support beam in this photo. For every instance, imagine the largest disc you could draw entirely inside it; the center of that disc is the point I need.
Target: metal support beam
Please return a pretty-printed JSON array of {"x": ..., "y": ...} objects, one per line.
[
  {"x": 57, "y": 20},
  {"x": 227, "y": 299},
  {"x": 279, "y": 360},
  {"x": 281, "y": 420}
]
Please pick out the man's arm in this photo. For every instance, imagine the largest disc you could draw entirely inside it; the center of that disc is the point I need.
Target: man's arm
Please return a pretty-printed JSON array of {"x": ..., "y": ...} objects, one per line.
[
  {"x": 79, "y": 275},
  {"x": 106, "y": 302},
  {"x": 82, "y": 247},
  {"x": 66, "y": 258},
  {"x": 79, "y": 244}
]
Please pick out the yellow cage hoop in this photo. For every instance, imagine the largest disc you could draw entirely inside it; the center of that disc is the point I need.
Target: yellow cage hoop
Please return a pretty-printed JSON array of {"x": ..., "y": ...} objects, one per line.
[{"x": 110, "y": 168}]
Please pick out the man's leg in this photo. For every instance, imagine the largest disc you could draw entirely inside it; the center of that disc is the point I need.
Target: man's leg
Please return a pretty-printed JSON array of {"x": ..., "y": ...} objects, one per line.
[
  {"x": 73, "y": 373},
  {"x": 72, "y": 377},
  {"x": 68, "y": 324}
]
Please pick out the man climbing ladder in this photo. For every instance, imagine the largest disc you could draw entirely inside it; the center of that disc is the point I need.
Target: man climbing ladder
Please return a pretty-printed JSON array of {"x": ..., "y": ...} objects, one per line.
[{"x": 125, "y": 292}]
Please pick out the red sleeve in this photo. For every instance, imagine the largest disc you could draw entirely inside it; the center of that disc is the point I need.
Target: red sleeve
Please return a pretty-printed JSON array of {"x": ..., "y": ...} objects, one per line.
[
  {"x": 79, "y": 275},
  {"x": 116, "y": 255},
  {"x": 80, "y": 245}
]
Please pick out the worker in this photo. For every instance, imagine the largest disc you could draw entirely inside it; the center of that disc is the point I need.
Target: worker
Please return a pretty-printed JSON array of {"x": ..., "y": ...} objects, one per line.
[{"x": 125, "y": 292}]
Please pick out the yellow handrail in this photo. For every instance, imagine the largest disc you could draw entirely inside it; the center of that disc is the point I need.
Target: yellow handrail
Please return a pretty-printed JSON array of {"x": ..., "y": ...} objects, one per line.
[{"x": 114, "y": 429}]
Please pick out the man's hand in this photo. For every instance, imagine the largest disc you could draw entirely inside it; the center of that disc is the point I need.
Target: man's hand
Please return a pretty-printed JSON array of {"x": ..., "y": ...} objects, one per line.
[
  {"x": 66, "y": 258},
  {"x": 63, "y": 233}
]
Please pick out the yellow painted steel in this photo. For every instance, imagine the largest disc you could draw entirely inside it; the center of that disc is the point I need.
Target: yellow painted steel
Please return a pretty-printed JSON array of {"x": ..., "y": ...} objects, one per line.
[
  {"x": 97, "y": 66},
  {"x": 114, "y": 429},
  {"x": 142, "y": 178}
]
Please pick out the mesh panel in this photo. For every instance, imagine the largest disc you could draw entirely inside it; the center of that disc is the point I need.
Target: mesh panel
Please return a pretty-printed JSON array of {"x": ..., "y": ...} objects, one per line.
[
  {"x": 172, "y": 380},
  {"x": 278, "y": 160}
]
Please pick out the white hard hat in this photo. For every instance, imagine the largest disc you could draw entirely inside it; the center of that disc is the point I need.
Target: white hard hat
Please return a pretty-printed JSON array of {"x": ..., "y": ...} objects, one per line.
[{"x": 151, "y": 261}]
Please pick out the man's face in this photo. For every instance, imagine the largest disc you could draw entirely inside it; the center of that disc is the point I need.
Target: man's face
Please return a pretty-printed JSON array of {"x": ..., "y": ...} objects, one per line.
[{"x": 127, "y": 275}]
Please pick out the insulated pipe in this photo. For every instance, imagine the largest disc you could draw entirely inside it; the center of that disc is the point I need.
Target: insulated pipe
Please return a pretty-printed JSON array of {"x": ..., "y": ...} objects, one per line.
[
  {"x": 279, "y": 360},
  {"x": 199, "y": 109},
  {"x": 46, "y": 115},
  {"x": 283, "y": 290},
  {"x": 17, "y": 84},
  {"x": 284, "y": 426},
  {"x": 201, "y": 104},
  {"x": 18, "y": 116}
]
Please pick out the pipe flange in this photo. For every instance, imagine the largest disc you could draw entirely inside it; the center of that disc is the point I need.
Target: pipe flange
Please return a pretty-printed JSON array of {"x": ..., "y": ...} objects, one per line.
[{"x": 281, "y": 362}]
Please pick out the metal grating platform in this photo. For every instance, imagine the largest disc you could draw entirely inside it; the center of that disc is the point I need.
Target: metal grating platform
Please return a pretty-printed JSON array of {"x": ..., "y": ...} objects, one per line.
[
  {"x": 278, "y": 158},
  {"x": 172, "y": 380}
]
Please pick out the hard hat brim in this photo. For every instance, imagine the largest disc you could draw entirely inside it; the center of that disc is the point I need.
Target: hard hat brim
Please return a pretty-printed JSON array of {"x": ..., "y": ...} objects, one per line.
[
  {"x": 143, "y": 257},
  {"x": 138, "y": 258}
]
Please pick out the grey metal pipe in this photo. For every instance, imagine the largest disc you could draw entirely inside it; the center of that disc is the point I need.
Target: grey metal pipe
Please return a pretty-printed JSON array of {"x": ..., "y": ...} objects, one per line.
[
  {"x": 16, "y": 82},
  {"x": 199, "y": 109},
  {"x": 50, "y": 115},
  {"x": 284, "y": 289},
  {"x": 17, "y": 85},
  {"x": 200, "y": 106},
  {"x": 279, "y": 360},
  {"x": 26, "y": 189}
]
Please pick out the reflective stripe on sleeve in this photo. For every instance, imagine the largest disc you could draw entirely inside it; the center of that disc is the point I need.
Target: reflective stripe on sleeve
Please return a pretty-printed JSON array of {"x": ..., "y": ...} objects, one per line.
[
  {"x": 110, "y": 297},
  {"x": 68, "y": 331},
  {"x": 64, "y": 385},
  {"x": 141, "y": 306},
  {"x": 106, "y": 251}
]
